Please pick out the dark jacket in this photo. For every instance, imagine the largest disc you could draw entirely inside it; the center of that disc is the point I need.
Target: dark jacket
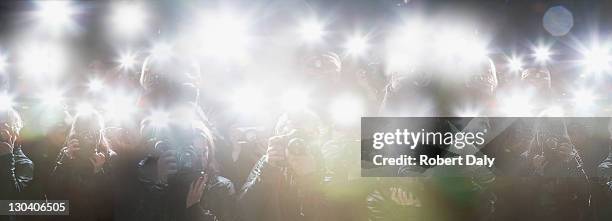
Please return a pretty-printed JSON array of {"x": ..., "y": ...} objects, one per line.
[
  {"x": 272, "y": 193},
  {"x": 90, "y": 194},
  {"x": 16, "y": 172},
  {"x": 166, "y": 202}
]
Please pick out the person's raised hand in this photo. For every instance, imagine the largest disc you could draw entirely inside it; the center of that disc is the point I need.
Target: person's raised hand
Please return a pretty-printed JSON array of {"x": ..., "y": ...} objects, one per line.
[
  {"x": 196, "y": 189},
  {"x": 72, "y": 148},
  {"x": 97, "y": 161}
]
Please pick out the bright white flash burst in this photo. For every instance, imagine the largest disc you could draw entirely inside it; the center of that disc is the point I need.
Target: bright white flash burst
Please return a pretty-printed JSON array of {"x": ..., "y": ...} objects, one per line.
[
  {"x": 247, "y": 100},
  {"x": 85, "y": 108},
  {"x": 52, "y": 98},
  {"x": 55, "y": 13},
  {"x": 42, "y": 59},
  {"x": 474, "y": 50},
  {"x": 517, "y": 104},
  {"x": 515, "y": 64},
  {"x": 161, "y": 51},
  {"x": 347, "y": 110},
  {"x": 356, "y": 45},
  {"x": 584, "y": 98},
  {"x": 542, "y": 54},
  {"x": 159, "y": 119},
  {"x": 128, "y": 18},
  {"x": 295, "y": 100},
  {"x": 119, "y": 107},
  {"x": 95, "y": 85},
  {"x": 312, "y": 31},
  {"x": 6, "y": 101},
  {"x": 597, "y": 59},
  {"x": 224, "y": 36},
  {"x": 127, "y": 61}
]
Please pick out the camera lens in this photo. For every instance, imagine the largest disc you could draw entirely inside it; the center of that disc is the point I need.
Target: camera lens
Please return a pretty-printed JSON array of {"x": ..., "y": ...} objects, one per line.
[{"x": 297, "y": 146}]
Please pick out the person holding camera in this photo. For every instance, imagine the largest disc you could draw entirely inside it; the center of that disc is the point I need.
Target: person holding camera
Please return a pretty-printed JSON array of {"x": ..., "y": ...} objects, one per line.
[
  {"x": 180, "y": 175},
  {"x": 285, "y": 184},
  {"x": 16, "y": 169},
  {"x": 82, "y": 172}
]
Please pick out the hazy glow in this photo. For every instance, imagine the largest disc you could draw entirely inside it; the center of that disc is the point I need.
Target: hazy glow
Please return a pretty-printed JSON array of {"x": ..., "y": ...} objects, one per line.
[
  {"x": 542, "y": 54},
  {"x": 450, "y": 43},
  {"x": 553, "y": 111},
  {"x": 584, "y": 98},
  {"x": 247, "y": 100},
  {"x": 517, "y": 104},
  {"x": 469, "y": 111},
  {"x": 597, "y": 59},
  {"x": 6, "y": 101},
  {"x": 119, "y": 107},
  {"x": 347, "y": 110},
  {"x": 405, "y": 46},
  {"x": 42, "y": 59},
  {"x": 85, "y": 108},
  {"x": 159, "y": 119},
  {"x": 223, "y": 36},
  {"x": 127, "y": 61},
  {"x": 356, "y": 45},
  {"x": 3, "y": 63},
  {"x": 128, "y": 18},
  {"x": 52, "y": 97},
  {"x": 161, "y": 51},
  {"x": 461, "y": 44},
  {"x": 515, "y": 64},
  {"x": 295, "y": 100},
  {"x": 95, "y": 85},
  {"x": 55, "y": 13},
  {"x": 312, "y": 31}
]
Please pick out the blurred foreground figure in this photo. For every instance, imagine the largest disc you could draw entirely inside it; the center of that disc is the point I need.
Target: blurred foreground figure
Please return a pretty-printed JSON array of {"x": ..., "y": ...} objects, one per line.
[
  {"x": 285, "y": 184},
  {"x": 427, "y": 92},
  {"x": 16, "y": 170},
  {"x": 557, "y": 184},
  {"x": 604, "y": 173},
  {"x": 82, "y": 172}
]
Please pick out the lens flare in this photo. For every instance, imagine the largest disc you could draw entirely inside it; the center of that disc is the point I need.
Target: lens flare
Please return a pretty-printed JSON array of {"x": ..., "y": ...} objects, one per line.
[
  {"x": 7, "y": 101},
  {"x": 52, "y": 98},
  {"x": 127, "y": 61},
  {"x": 159, "y": 119},
  {"x": 248, "y": 100},
  {"x": 515, "y": 64},
  {"x": 312, "y": 31},
  {"x": 584, "y": 98},
  {"x": 597, "y": 59},
  {"x": 295, "y": 100},
  {"x": 55, "y": 13},
  {"x": 356, "y": 45},
  {"x": 224, "y": 36},
  {"x": 128, "y": 19},
  {"x": 119, "y": 107},
  {"x": 542, "y": 54},
  {"x": 95, "y": 85},
  {"x": 85, "y": 108},
  {"x": 347, "y": 110}
]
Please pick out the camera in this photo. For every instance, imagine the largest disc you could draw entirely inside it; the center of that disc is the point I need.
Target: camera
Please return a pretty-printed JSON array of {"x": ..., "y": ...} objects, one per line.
[
  {"x": 297, "y": 143},
  {"x": 249, "y": 134},
  {"x": 88, "y": 141},
  {"x": 179, "y": 138}
]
